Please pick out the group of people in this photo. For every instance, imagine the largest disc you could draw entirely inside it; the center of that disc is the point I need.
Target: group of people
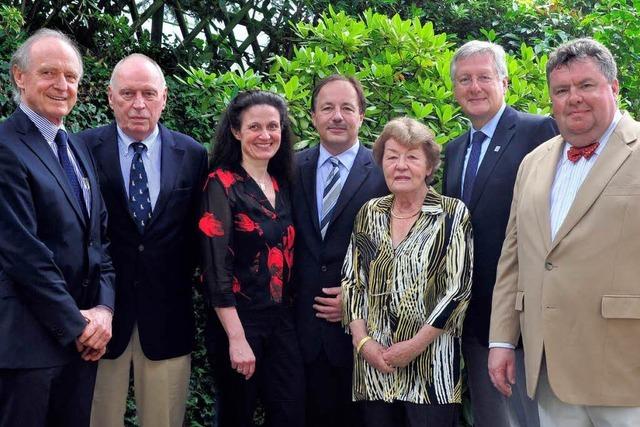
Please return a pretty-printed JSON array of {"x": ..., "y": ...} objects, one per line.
[{"x": 342, "y": 289}]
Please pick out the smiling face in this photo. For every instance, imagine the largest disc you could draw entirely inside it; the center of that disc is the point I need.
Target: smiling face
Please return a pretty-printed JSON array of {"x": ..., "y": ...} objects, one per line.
[
  {"x": 478, "y": 89},
  {"x": 49, "y": 84},
  {"x": 337, "y": 116},
  {"x": 584, "y": 102},
  {"x": 137, "y": 97},
  {"x": 259, "y": 133},
  {"x": 405, "y": 168}
]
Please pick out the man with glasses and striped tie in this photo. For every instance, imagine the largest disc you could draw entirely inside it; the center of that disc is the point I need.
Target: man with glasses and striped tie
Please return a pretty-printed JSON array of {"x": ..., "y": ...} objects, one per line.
[{"x": 333, "y": 181}]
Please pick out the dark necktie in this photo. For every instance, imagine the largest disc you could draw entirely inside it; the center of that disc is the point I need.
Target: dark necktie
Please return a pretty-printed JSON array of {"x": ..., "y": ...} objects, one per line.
[
  {"x": 587, "y": 151},
  {"x": 61, "y": 141},
  {"x": 330, "y": 194},
  {"x": 472, "y": 166},
  {"x": 139, "y": 201}
]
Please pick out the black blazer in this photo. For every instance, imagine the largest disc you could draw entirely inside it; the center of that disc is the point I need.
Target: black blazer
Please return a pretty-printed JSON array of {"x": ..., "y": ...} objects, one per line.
[
  {"x": 53, "y": 260},
  {"x": 516, "y": 135},
  {"x": 318, "y": 262},
  {"x": 154, "y": 271}
]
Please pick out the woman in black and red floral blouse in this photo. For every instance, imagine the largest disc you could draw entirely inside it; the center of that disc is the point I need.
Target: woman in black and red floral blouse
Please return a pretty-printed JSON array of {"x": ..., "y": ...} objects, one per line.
[{"x": 248, "y": 239}]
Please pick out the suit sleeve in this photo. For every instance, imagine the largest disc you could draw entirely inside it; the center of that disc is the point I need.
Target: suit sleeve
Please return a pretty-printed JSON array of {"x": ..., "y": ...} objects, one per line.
[
  {"x": 216, "y": 233},
  {"x": 106, "y": 295},
  {"x": 27, "y": 261}
]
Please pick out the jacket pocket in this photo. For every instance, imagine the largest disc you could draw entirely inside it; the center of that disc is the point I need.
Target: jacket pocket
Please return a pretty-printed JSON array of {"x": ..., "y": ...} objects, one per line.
[
  {"x": 621, "y": 306},
  {"x": 519, "y": 301}
]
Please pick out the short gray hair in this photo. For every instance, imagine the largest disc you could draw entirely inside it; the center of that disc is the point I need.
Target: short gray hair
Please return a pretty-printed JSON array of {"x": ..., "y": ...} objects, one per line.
[
  {"x": 139, "y": 56},
  {"x": 478, "y": 47},
  {"x": 21, "y": 57},
  {"x": 580, "y": 49}
]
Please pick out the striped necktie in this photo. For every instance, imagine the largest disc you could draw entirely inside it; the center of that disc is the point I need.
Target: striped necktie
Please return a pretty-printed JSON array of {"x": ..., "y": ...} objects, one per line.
[{"x": 330, "y": 194}]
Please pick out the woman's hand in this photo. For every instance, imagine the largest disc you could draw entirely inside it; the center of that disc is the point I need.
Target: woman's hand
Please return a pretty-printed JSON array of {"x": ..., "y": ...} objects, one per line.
[
  {"x": 372, "y": 352},
  {"x": 242, "y": 357},
  {"x": 402, "y": 353}
]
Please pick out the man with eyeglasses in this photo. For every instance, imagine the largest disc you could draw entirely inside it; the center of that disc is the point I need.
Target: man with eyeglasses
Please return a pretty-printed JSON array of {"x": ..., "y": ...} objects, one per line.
[{"x": 480, "y": 168}]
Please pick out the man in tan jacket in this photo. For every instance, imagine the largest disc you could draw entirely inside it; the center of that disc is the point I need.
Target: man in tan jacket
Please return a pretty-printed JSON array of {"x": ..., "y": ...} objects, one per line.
[{"x": 569, "y": 274}]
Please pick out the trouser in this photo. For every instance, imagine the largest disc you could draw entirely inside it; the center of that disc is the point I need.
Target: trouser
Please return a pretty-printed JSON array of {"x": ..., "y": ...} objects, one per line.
[
  {"x": 278, "y": 381},
  {"x": 160, "y": 387},
  {"x": 398, "y": 414},
  {"x": 51, "y": 397}
]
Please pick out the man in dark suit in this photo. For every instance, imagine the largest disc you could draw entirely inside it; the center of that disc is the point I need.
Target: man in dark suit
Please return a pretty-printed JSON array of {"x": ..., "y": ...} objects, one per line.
[
  {"x": 151, "y": 180},
  {"x": 333, "y": 181},
  {"x": 480, "y": 169},
  {"x": 56, "y": 279}
]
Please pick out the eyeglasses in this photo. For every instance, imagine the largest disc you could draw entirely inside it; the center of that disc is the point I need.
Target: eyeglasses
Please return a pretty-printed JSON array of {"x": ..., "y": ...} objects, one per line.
[{"x": 483, "y": 79}]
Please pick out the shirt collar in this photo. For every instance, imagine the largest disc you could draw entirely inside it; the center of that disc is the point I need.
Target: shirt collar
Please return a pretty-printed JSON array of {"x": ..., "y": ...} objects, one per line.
[
  {"x": 46, "y": 128},
  {"x": 346, "y": 158},
  {"x": 603, "y": 139},
  {"x": 125, "y": 141},
  {"x": 490, "y": 127}
]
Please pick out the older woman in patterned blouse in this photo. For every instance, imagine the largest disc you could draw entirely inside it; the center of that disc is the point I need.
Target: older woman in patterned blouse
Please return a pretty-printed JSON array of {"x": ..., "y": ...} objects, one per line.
[{"x": 406, "y": 285}]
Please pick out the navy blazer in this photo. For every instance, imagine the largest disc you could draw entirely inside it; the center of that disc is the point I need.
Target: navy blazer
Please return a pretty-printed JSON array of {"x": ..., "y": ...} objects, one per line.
[
  {"x": 53, "y": 259},
  {"x": 516, "y": 135},
  {"x": 154, "y": 270},
  {"x": 318, "y": 262}
]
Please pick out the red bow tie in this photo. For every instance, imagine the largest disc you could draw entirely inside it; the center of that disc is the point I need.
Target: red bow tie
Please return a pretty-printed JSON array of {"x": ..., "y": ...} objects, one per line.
[{"x": 575, "y": 153}]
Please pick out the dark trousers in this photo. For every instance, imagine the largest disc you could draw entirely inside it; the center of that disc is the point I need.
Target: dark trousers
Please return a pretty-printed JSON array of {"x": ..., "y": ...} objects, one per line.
[
  {"x": 398, "y": 414},
  {"x": 53, "y": 397},
  {"x": 278, "y": 381},
  {"x": 328, "y": 400}
]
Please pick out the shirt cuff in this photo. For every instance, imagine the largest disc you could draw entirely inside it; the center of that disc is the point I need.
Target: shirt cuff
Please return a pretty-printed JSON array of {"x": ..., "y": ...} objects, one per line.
[{"x": 502, "y": 345}]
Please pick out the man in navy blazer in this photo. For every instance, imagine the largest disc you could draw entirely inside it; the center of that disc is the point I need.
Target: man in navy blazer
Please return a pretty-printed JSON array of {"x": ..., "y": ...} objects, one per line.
[
  {"x": 480, "y": 168},
  {"x": 338, "y": 106},
  {"x": 152, "y": 226},
  {"x": 56, "y": 279}
]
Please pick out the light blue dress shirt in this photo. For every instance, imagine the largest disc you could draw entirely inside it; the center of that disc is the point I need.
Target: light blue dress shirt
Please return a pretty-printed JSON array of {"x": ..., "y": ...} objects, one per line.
[
  {"x": 151, "y": 158},
  {"x": 346, "y": 159}
]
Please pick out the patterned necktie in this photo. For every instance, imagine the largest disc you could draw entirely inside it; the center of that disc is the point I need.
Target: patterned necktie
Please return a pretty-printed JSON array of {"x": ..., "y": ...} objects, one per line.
[
  {"x": 139, "y": 201},
  {"x": 587, "y": 151},
  {"x": 330, "y": 194},
  {"x": 61, "y": 141},
  {"x": 472, "y": 166}
]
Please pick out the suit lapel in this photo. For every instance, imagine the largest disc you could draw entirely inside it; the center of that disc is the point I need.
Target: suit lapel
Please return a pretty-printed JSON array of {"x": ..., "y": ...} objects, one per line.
[
  {"x": 170, "y": 164},
  {"x": 611, "y": 158},
  {"x": 455, "y": 164},
  {"x": 33, "y": 139},
  {"x": 499, "y": 142},
  {"x": 107, "y": 151},
  {"x": 86, "y": 166},
  {"x": 308, "y": 168},
  {"x": 359, "y": 172},
  {"x": 544, "y": 174}
]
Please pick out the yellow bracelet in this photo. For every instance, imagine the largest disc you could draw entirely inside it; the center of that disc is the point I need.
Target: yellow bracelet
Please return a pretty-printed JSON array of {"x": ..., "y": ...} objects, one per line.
[{"x": 361, "y": 343}]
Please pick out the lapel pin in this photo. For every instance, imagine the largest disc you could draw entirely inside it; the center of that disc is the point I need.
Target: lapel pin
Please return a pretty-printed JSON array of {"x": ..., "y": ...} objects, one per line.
[{"x": 496, "y": 149}]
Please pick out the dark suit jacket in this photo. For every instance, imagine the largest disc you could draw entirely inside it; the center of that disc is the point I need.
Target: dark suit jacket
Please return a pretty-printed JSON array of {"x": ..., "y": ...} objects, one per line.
[
  {"x": 516, "y": 135},
  {"x": 154, "y": 271},
  {"x": 53, "y": 260},
  {"x": 318, "y": 262}
]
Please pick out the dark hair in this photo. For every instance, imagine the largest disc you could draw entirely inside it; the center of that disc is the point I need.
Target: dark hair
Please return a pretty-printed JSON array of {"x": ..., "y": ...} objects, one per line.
[
  {"x": 226, "y": 151},
  {"x": 362, "y": 100},
  {"x": 583, "y": 49}
]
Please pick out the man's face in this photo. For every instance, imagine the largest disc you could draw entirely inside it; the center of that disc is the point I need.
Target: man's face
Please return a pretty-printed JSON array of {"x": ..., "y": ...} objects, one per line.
[
  {"x": 49, "y": 84},
  {"x": 584, "y": 103},
  {"x": 478, "y": 89},
  {"x": 337, "y": 116},
  {"x": 137, "y": 97}
]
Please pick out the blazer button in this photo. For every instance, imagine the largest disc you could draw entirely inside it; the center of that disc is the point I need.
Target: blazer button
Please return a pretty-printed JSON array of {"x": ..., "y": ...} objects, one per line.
[
  {"x": 136, "y": 283},
  {"x": 140, "y": 248},
  {"x": 548, "y": 266},
  {"x": 90, "y": 243},
  {"x": 85, "y": 283},
  {"x": 323, "y": 268}
]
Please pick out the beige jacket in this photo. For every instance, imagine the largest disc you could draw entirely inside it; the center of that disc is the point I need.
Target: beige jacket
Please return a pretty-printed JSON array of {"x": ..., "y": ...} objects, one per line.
[{"x": 577, "y": 298}]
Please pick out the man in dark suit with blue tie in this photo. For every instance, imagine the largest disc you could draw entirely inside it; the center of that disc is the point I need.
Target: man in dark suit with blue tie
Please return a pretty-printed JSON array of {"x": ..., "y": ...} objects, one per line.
[
  {"x": 333, "y": 180},
  {"x": 480, "y": 168},
  {"x": 56, "y": 279},
  {"x": 151, "y": 180}
]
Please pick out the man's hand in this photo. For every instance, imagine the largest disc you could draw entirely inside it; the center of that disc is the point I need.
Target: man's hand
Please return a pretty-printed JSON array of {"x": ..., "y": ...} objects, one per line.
[
  {"x": 242, "y": 358},
  {"x": 402, "y": 353},
  {"x": 502, "y": 369},
  {"x": 329, "y": 308},
  {"x": 97, "y": 333}
]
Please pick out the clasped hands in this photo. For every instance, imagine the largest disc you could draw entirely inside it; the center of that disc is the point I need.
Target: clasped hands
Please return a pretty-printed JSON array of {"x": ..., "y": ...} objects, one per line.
[
  {"x": 387, "y": 359},
  {"x": 92, "y": 343}
]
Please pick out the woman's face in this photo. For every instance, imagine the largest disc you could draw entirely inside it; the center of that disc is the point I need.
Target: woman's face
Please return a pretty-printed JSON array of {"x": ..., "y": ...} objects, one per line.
[
  {"x": 405, "y": 169},
  {"x": 259, "y": 132}
]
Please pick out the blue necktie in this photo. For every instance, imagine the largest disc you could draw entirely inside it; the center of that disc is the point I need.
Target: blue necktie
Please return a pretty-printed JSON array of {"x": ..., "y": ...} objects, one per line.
[
  {"x": 61, "y": 141},
  {"x": 472, "y": 166},
  {"x": 330, "y": 194},
  {"x": 139, "y": 201}
]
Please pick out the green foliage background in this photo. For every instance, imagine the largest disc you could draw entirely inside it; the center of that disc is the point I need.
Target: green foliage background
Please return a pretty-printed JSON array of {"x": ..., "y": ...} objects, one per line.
[{"x": 399, "y": 51}]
